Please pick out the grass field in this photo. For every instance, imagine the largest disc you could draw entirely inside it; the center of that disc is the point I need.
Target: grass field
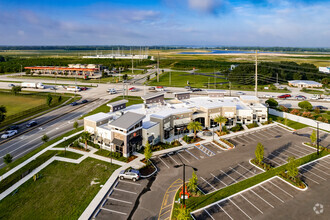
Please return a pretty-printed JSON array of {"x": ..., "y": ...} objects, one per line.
[
  {"x": 15, "y": 104},
  {"x": 180, "y": 79},
  {"x": 291, "y": 124},
  {"x": 63, "y": 191}
]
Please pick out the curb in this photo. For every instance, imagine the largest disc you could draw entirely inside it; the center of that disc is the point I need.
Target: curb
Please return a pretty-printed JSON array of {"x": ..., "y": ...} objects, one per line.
[
  {"x": 156, "y": 170},
  {"x": 256, "y": 166},
  {"x": 304, "y": 189}
]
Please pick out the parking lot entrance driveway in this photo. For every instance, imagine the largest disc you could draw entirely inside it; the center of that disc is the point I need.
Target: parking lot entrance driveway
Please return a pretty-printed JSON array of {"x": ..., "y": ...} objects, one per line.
[{"x": 120, "y": 200}]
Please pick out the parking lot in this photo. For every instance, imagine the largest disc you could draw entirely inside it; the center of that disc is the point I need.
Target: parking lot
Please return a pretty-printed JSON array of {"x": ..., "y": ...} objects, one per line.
[
  {"x": 221, "y": 178},
  {"x": 186, "y": 155},
  {"x": 269, "y": 195},
  {"x": 273, "y": 132},
  {"x": 120, "y": 200}
]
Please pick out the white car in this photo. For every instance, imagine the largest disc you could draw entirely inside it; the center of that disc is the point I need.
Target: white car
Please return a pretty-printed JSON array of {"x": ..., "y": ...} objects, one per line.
[
  {"x": 327, "y": 99},
  {"x": 240, "y": 93},
  {"x": 268, "y": 96},
  {"x": 8, "y": 134},
  {"x": 112, "y": 91}
]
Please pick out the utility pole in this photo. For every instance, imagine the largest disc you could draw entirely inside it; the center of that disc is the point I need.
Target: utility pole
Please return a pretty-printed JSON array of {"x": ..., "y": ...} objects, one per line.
[
  {"x": 132, "y": 65},
  {"x": 317, "y": 140},
  {"x": 256, "y": 77},
  {"x": 158, "y": 68}
]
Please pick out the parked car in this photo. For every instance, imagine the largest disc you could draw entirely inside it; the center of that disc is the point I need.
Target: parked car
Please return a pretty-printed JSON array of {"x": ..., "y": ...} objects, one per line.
[
  {"x": 12, "y": 127},
  {"x": 31, "y": 124},
  {"x": 53, "y": 88},
  {"x": 159, "y": 88},
  {"x": 315, "y": 97},
  {"x": 240, "y": 93},
  {"x": 152, "y": 88},
  {"x": 268, "y": 96},
  {"x": 84, "y": 101},
  {"x": 196, "y": 90},
  {"x": 9, "y": 134},
  {"x": 83, "y": 88},
  {"x": 321, "y": 107},
  {"x": 132, "y": 89},
  {"x": 74, "y": 103},
  {"x": 300, "y": 97},
  {"x": 284, "y": 96},
  {"x": 11, "y": 85},
  {"x": 130, "y": 174},
  {"x": 326, "y": 99},
  {"x": 112, "y": 91}
]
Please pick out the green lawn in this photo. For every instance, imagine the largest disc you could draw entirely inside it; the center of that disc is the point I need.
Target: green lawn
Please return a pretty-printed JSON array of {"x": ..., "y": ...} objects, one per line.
[
  {"x": 63, "y": 191},
  {"x": 291, "y": 124},
  {"x": 179, "y": 79},
  {"x": 15, "y": 104},
  {"x": 132, "y": 100}
]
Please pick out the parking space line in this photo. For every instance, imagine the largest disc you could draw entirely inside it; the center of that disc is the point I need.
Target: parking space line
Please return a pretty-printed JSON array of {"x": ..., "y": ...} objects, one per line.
[
  {"x": 183, "y": 157},
  {"x": 247, "y": 169},
  {"x": 120, "y": 200},
  {"x": 218, "y": 179},
  {"x": 209, "y": 183},
  {"x": 225, "y": 211},
  {"x": 321, "y": 165},
  {"x": 200, "y": 190},
  {"x": 173, "y": 159},
  {"x": 235, "y": 139},
  {"x": 163, "y": 162},
  {"x": 271, "y": 193},
  {"x": 281, "y": 189},
  {"x": 262, "y": 198},
  {"x": 238, "y": 172},
  {"x": 273, "y": 161},
  {"x": 263, "y": 135},
  {"x": 278, "y": 157},
  {"x": 309, "y": 178},
  {"x": 191, "y": 154},
  {"x": 164, "y": 213},
  {"x": 296, "y": 153},
  {"x": 251, "y": 204},
  {"x": 318, "y": 170},
  {"x": 109, "y": 210},
  {"x": 305, "y": 149},
  {"x": 229, "y": 176},
  {"x": 123, "y": 181},
  {"x": 125, "y": 191},
  {"x": 313, "y": 173},
  {"x": 256, "y": 136},
  {"x": 209, "y": 214},
  {"x": 239, "y": 208}
]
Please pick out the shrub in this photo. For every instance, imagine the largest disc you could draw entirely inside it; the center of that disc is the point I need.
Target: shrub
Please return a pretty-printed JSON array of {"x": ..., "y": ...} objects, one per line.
[
  {"x": 272, "y": 102},
  {"x": 283, "y": 108},
  {"x": 306, "y": 105},
  {"x": 237, "y": 127},
  {"x": 7, "y": 159},
  {"x": 295, "y": 112}
]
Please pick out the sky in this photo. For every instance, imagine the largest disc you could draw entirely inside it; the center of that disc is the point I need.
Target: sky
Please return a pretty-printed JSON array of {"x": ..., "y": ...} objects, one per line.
[{"x": 295, "y": 23}]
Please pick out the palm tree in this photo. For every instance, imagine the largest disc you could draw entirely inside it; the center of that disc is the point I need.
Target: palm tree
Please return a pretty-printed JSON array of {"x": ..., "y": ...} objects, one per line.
[
  {"x": 85, "y": 136},
  {"x": 195, "y": 126},
  {"x": 220, "y": 119}
]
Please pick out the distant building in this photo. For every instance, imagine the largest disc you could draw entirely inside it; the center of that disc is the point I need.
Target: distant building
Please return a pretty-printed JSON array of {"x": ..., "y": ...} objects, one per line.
[
  {"x": 304, "y": 83},
  {"x": 324, "y": 69}
]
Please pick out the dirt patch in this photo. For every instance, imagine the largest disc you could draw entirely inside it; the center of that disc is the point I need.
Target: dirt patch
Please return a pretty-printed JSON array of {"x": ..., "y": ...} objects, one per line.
[{"x": 147, "y": 170}]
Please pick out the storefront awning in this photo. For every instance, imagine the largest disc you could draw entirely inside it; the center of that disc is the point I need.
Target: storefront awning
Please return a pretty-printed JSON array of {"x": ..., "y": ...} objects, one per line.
[{"x": 117, "y": 142}]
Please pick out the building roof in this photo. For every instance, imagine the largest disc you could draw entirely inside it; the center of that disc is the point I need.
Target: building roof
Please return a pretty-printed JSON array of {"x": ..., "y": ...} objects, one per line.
[
  {"x": 127, "y": 120},
  {"x": 98, "y": 117},
  {"x": 309, "y": 82},
  {"x": 120, "y": 102},
  {"x": 180, "y": 93},
  {"x": 152, "y": 95}
]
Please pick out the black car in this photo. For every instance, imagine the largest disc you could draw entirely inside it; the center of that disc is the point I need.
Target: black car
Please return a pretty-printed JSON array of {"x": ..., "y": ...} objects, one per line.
[
  {"x": 12, "y": 127},
  {"x": 74, "y": 103},
  {"x": 31, "y": 124},
  {"x": 196, "y": 90},
  {"x": 84, "y": 101},
  {"x": 321, "y": 107}
]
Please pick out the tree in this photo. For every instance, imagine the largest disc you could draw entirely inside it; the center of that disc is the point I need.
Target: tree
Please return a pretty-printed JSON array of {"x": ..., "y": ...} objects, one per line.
[
  {"x": 59, "y": 99},
  {"x": 49, "y": 100},
  {"x": 306, "y": 105},
  {"x": 259, "y": 152},
  {"x": 313, "y": 137},
  {"x": 125, "y": 76},
  {"x": 325, "y": 81},
  {"x": 85, "y": 136},
  {"x": 272, "y": 102},
  {"x": 16, "y": 89},
  {"x": 192, "y": 184},
  {"x": 147, "y": 152},
  {"x": 195, "y": 126},
  {"x": 317, "y": 111},
  {"x": 3, "y": 112},
  {"x": 220, "y": 119},
  {"x": 75, "y": 125},
  {"x": 183, "y": 214},
  {"x": 45, "y": 138},
  {"x": 292, "y": 167},
  {"x": 148, "y": 77},
  {"x": 7, "y": 159}
]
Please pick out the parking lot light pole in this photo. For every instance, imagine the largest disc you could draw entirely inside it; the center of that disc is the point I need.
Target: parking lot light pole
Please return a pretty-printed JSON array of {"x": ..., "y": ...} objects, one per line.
[
  {"x": 317, "y": 139},
  {"x": 184, "y": 179}
]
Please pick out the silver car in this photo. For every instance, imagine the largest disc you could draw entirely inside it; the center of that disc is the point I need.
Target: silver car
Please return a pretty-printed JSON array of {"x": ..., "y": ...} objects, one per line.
[
  {"x": 9, "y": 133},
  {"x": 129, "y": 174}
]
